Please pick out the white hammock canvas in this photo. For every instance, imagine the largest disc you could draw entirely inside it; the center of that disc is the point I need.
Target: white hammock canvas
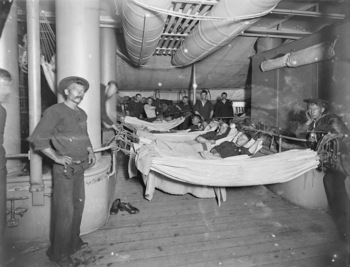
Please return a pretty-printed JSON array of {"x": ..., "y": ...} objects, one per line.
[
  {"x": 188, "y": 166},
  {"x": 153, "y": 126},
  {"x": 238, "y": 170}
]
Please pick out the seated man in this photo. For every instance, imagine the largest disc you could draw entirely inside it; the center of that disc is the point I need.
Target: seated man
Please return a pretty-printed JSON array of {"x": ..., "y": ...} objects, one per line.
[
  {"x": 150, "y": 109},
  {"x": 236, "y": 147},
  {"x": 211, "y": 137}
]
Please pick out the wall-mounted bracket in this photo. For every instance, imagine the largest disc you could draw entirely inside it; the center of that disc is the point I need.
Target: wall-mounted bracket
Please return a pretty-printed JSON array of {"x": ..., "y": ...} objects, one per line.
[{"x": 13, "y": 211}]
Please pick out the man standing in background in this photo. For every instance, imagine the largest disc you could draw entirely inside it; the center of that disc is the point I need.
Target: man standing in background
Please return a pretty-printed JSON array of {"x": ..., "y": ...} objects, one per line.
[
  {"x": 223, "y": 108},
  {"x": 204, "y": 107}
]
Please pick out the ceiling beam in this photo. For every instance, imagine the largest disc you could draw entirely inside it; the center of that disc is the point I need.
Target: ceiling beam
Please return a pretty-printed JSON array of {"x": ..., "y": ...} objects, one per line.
[
  {"x": 306, "y": 13},
  {"x": 196, "y": 2},
  {"x": 315, "y": 1}
]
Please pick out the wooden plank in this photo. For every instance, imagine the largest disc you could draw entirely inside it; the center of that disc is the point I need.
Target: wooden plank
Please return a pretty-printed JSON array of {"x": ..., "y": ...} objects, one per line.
[
  {"x": 210, "y": 250},
  {"x": 283, "y": 224},
  {"x": 191, "y": 234},
  {"x": 312, "y": 256},
  {"x": 253, "y": 228}
]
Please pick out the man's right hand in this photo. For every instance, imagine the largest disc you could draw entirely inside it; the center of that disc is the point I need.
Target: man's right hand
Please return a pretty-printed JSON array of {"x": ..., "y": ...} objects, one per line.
[
  {"x": 64, "y": 160},
  {"x": 308, "y": 117}
]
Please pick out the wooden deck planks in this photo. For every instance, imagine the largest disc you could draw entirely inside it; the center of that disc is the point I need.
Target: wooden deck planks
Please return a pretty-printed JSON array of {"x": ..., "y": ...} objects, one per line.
[{"x": 254, "y": 227}]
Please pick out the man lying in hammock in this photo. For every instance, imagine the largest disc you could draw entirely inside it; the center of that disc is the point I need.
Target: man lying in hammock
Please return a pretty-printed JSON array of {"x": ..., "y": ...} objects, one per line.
[
  {"x": 236, "y": 147},
  {"x": 211, "y": 137}
]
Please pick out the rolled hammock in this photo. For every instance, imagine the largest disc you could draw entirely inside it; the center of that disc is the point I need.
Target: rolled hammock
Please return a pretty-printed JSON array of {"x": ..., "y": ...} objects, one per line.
[{"x": 312, "y": 54}]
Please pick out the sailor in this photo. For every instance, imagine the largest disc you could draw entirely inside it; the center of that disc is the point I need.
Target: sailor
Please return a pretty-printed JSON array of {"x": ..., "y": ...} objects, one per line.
[
  {"x": 62, "y": 136},
  {"x": 204, "y": 107},
  {"x": 318, "y": 121}
]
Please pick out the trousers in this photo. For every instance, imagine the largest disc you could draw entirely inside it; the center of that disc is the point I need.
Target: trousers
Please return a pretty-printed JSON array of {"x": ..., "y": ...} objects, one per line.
[
  {"x": 338, "y": 201},
  {"x": 68, "y": 199}
]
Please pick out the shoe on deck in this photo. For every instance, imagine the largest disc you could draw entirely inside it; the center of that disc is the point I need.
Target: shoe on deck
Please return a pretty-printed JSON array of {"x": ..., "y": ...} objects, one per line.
[
  {"x": 115, "y": 207},
  {"x": 123, "y": 206}
]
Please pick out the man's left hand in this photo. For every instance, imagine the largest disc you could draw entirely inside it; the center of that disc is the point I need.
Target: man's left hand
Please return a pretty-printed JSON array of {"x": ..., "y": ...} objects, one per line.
[{"x": 92, "y": 158}]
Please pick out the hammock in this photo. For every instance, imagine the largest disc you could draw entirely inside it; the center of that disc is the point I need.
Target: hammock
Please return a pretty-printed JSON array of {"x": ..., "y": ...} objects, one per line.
[
  {"x": 242, "y": 170},
  {"x": 153, "y": 126}
]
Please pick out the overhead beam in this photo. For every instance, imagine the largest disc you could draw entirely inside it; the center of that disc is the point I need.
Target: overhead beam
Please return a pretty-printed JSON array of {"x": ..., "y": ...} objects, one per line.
[
  {"x": 271, "y": 31},
  {"x": 293, "y": 37},
  {"x": 315, "y": 1},
  {"x": 196, "y": 2},
  {"x": 306, "y": 13}
]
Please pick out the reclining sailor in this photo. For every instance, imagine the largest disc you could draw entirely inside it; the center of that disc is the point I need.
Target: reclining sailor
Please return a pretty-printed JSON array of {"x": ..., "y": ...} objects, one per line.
[
  {"x": 238, "y": 146},
  {"x": 211, "y": 137}
]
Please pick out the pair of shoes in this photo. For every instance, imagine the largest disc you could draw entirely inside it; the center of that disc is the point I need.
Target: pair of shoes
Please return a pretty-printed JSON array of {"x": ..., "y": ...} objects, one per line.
[
  {"x": 66, "y": 261},
  {"x": 115, "y": 207},
  {"x": 123, "y": 206}
]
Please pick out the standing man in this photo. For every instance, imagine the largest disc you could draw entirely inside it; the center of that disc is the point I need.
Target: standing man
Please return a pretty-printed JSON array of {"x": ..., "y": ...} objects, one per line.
[
  {"x": 135, "y": 107},
  {"x": 223, "y": 108},
  {"x": 5, "y": 89},
  {"x": 318, "y": 120},
  {"x": 204, "y": 107},
  {"x": 62, "y": 136}
]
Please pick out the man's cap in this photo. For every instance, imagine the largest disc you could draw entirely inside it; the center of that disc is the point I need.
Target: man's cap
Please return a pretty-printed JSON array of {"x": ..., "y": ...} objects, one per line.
[
  {"x": 316, "y": 101},
  {"x": 66, "y": 82}
]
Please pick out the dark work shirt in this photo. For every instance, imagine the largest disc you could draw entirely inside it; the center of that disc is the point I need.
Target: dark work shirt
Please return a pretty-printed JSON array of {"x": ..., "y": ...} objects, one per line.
[
  {"x": 185, "y": 109},
  {"x": 66, "y": 129},
  {"x": 2, "y": 129},
  {"x": 229, "y": 149},
  {"x": 204, "y": 110},
  {"x": 223, "y": 109},
  {"x": 329, "y": 123},
  {"x": 194, "y": 128},
  {"x": 135, "y": 109},
  {"x": 212, "y": 135}
]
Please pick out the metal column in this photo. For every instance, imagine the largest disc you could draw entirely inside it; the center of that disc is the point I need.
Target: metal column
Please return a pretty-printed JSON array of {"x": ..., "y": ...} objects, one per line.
[{"x": 34, "y": 87}]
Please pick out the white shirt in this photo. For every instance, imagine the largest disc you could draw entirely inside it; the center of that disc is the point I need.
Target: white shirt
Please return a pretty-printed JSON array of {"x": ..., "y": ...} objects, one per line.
[{"x": 150, "y": 111}]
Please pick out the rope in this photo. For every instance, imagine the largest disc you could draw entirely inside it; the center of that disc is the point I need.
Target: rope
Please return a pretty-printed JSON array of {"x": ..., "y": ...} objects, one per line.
[
  {"x": 47, "y": 38},
  {"x": 198, "y": 17},
  {"x": 125, "y": 139},
  {"x": 328, "y": 149}
]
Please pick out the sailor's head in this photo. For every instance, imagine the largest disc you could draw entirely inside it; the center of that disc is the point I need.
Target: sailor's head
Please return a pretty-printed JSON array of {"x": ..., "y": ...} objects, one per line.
[
  {"x": 316, "y": 107},
  {"x": 243, "y": 139},
  {"x": 138, "y": 97},
  {"x": 74, "y": 88},
  {"x": 204, "y": 94},
  {"x": 196, "y": 119},
  {"x": 149, "y": 100},
  {"x": 223, "y": 127}
]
